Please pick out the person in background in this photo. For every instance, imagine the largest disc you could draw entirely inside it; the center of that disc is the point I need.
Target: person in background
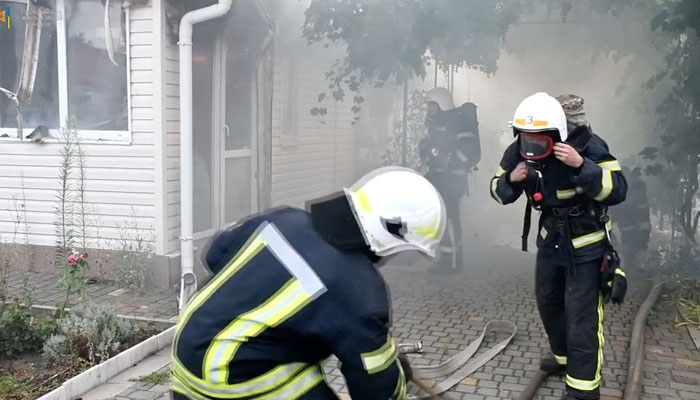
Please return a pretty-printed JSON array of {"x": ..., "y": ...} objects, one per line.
[{"x": 451, "y": 150}]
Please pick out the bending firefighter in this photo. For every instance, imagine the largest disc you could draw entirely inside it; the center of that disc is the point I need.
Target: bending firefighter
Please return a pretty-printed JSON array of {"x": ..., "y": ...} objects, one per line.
[
  {"x": 293, "y": 287},
  {"x": 569, "y": 175},
  {"x": 451, "y": 150}
]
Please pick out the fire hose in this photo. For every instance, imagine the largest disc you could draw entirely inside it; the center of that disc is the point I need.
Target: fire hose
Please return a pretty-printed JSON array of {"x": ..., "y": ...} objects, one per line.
[{"x": 458, "y": 367}]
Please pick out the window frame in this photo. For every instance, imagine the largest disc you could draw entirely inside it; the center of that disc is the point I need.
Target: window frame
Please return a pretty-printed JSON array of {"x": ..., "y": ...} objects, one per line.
[{"x": 85, "y": 135}]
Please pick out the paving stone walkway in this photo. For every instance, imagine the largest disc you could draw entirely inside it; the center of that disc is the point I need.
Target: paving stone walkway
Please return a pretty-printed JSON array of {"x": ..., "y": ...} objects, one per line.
[
  {"x": 447, "y": 313},
  {"x": 45, "y": 287}
]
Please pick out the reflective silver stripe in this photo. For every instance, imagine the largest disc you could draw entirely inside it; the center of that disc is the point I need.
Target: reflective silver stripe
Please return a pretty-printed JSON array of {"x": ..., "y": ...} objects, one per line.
[
  {"x": 561, "y": 360},
  {"x": 543, "y": 233},
  {"x": 494, "y": 188},
  {"x": 445, "y": 249},
  {"x": 263, "y": 383},
  {"x": 464, "y": 135},
  {"x": 295, "y": 264},
  {"x": 585, "y": 240},
  {"x": 380, "y": 359},
  {"x": 461, "y": 156},
  {"x": 298, "y": 386},
  {"x": 566, "y": 194}
]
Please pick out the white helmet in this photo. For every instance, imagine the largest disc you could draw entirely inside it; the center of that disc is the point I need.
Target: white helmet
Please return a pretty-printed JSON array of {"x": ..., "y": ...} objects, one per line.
[
  {"x": 397, "y": 210},
  {"x": 442, "y": 97},
  {"x": 541, "y": 112}
]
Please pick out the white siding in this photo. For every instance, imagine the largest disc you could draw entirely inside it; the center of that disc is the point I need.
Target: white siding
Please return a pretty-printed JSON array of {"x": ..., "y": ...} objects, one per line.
[
  {"x": 319, "y": 157},
  {"x": 120, "y": 177}
]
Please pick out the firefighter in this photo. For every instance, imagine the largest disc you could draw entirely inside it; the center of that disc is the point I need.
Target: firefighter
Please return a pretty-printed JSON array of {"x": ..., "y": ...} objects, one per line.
[
  {"x": 293, "y": 287},
  {"x": 571, "y": 177},
  {"x": 633, "y": 220},
  {"x": 451, "y": 150}
]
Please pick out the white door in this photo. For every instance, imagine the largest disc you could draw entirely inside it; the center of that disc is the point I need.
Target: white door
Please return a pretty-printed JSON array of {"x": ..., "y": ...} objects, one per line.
[{"x": 238, "y": 139}]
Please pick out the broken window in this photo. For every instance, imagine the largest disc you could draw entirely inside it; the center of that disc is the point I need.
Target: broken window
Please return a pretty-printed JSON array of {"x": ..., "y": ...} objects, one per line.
[
  {"x": 97, "y": 67},
  {"x": 82, "y": 68},
  {"x": 44, "y": 106}
]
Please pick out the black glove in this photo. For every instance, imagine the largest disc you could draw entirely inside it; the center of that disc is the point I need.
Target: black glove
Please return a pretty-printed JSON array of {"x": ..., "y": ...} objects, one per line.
[
  {"x": 619, "y": 287},
  {"x": 406, "y": 366}
]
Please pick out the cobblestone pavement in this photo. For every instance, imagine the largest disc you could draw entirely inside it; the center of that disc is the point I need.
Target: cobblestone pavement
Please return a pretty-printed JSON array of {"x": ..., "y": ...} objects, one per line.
[
  {"x": 45, "y": 287},
  {"x": 447, "y": 313}
]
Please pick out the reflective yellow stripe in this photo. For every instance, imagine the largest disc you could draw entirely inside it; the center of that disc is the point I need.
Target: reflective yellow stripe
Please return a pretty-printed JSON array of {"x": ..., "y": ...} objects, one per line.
[
  {"x": 566, "y": 194},
  {"x": 298, "y": 386},
  {"x": 583, "y": 385},
  {"x": 500, "y": 172},
  {"x": 261, "y": 384},
  {"x": 543, "y": 233},
  {"x": 589, "y": 385},
  {"x": 400, "y": 391},
  {"x": 277, "y": 309},
  {"x": 561, "y": 360},
  {"x": 431, "y": 231},
  {"x": 247, "y": 252},
  {"x": 606, "y": 186},
  {"x": 380, "y": 359},
  {"x": 363, "y": 201},
  {"x": 601, "y": 341},
  {"x": 179, "y": 387},
  {"x": 585, "y": 240},
  {"x": 613, "y": 165},
  {"x": 494, "y": 187},
  {"x": 619, "y": 271}
]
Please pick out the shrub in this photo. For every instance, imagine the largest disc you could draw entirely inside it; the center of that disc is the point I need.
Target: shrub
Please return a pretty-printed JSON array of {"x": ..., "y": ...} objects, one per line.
[
  {"x": 88, "y": 334},
  {"x": 19, "y": 331}
]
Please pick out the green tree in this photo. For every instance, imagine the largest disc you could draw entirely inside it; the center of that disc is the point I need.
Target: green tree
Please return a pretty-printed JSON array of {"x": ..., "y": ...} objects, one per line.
[{"x": 394, "y": 40}]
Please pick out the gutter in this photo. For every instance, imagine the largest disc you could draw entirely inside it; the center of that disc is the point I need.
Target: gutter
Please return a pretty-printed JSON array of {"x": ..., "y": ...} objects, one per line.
[{"x": 188, "y": 280}]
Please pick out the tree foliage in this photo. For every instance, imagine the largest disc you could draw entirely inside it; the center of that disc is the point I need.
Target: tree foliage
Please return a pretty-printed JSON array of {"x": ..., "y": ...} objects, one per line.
[{"x": 392, "y": 40}]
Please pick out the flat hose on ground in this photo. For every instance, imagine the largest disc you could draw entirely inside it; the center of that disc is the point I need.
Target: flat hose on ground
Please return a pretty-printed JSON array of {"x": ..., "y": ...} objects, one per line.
[
  {"x": 635, "y": 371},
  {"x": 458, "y": 367}
]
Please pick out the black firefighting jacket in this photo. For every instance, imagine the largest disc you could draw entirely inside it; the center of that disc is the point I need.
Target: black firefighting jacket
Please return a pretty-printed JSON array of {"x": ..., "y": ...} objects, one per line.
[
  {"x": 452, "y": 144},
  {"x": 597, "y": 184},
  {"x": 281, "y": 302}
]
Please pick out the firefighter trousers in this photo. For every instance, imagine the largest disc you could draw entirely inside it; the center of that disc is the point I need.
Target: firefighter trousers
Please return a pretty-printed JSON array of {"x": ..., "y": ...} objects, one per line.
[
  {"x": 452, "y": 188},
  {"x": 571, "y": 309}
]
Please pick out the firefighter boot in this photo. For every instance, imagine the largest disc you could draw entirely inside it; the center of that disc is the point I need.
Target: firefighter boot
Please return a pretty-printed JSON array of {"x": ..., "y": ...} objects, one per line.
[{"x": 551, "y": 366}]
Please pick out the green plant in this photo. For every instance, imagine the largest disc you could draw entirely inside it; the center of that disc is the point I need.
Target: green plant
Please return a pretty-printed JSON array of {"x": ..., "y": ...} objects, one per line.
[
  {"x": 19, "y": 331},
  {"x": 415, "y": 122},
  {"x": 156, "y": 378},
  {"x": 12, "y": 388},
  {"x": 135, "y": 252},
  {"x": 71, "y": 216},
  {"x": 88, "y": 335}
]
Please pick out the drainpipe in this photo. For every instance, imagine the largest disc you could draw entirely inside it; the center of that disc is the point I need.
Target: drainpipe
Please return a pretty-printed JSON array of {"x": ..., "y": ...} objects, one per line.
[{"x": 188, "y": 280}]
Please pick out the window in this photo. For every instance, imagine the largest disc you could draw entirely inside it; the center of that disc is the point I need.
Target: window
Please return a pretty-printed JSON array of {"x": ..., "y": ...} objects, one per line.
[{"x": 83, "y": 69}]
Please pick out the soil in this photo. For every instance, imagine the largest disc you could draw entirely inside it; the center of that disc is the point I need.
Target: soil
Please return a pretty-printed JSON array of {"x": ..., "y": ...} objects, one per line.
[{"x": 28, "y": 377}]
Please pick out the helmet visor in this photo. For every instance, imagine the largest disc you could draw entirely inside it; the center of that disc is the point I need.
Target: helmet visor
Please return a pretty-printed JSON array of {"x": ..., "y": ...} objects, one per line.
[{"x": 535, "y": 146}]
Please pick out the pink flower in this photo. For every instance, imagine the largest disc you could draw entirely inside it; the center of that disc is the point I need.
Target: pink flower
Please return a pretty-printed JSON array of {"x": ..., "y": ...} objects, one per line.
[{"x": 76, "y": 257}]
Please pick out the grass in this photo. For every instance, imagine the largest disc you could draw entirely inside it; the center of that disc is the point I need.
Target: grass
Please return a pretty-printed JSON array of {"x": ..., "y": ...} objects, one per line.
[{"x": 156, "y": 378}]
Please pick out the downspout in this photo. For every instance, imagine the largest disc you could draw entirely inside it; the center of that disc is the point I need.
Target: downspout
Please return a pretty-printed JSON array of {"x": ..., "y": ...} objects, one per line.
[{"x": 188, "y": 280}]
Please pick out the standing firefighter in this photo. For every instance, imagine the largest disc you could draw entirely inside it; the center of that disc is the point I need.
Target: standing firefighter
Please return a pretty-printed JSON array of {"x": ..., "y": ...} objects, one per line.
[
  {"x": 569, "y": 175},
  {"x": 451, "y": 150},
  {"x": 291, "y": 288}
]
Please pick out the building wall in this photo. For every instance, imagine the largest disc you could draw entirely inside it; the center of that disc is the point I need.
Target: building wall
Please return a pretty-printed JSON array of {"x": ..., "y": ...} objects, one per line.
[
  {"x": 120, "y": 177},
  {"x": 311, "y": 155}
]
